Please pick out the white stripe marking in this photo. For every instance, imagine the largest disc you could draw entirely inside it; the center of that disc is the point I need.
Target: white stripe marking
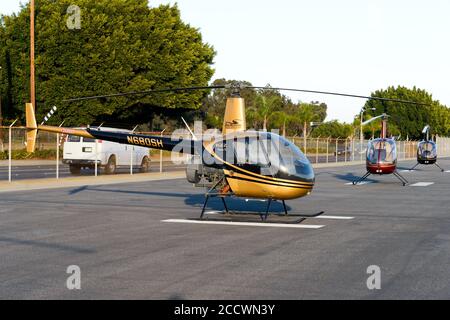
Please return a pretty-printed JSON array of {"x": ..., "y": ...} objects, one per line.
[
  {"x": 448, "y": 171},
  {"x": 359, "y": 184},
  {"x": 334, "y": 217},
  {"x": 407, "y": 170},
  {"x": 422, "y": 184},
  {"x": 247, "y": 224},
  {"x": 319, "y": 217}
]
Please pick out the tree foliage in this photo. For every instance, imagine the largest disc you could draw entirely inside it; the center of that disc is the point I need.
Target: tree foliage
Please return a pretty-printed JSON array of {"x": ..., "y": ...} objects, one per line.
[
  {"x": 265, "y": 109},
  {"x": 408, "y": 120},
  {"x": 333, "y": 129},
  {"x": 121, "y": 46}
]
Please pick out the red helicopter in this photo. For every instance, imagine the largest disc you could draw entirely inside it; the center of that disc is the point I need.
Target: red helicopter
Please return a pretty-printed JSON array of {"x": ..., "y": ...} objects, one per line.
[{"x": 381, "y": 156}]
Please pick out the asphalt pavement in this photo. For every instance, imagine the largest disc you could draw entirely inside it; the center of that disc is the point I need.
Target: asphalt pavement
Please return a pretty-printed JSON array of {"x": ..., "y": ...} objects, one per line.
[{"x": 142, "y": 241}]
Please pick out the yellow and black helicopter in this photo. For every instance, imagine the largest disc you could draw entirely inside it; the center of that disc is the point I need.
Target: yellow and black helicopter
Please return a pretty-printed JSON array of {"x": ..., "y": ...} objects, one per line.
[{"x": 240, "y": 163}]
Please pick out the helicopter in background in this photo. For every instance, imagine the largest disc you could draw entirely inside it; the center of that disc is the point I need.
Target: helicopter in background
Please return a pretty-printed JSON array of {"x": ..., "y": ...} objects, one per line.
[
  {"x": 381, "y": 155},
  {"x": 427, "y": 150}
]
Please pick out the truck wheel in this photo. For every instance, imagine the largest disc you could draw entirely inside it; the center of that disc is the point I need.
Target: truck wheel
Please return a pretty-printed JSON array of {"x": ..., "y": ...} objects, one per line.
[
  {"x": 74, "y": 169},
  {"x": 111, "y": 165},
  {"x": 145, "y": 165}
]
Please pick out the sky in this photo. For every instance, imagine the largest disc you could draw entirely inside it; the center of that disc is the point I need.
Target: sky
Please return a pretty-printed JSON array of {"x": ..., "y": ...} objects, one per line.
[{"x": 349, "y": 46}]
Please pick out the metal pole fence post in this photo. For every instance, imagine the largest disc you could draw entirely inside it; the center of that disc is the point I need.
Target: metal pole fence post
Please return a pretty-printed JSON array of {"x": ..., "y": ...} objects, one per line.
[
  {"x": 345, "y": 150},
  {"x": 317, "y": 150},
  {"x": 305, "y": 144},
  {"x": 9, "y": 154},
  {"x": 353, "y": 148},
  {"x": 336, "y": 150},
  {"x": 404, "y": 150},
  {"x": 132, "y": 154},
  {"x": 57, "y": 156},
  {"x": 328, "y": 148},
  {"x": 10, "y": 151},
  {"x": 161, "y": 155},
  {"x": 361, "y": 148},
  {"x": 409, "y": 150},
  {"x": 96, "y": 157},
  {"x": 131, "y": 159},
  {"x": 57, "y": 151}
]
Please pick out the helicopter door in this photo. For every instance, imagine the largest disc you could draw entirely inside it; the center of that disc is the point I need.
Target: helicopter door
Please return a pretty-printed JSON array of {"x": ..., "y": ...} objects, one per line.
[{"x": 251, "y": 155}]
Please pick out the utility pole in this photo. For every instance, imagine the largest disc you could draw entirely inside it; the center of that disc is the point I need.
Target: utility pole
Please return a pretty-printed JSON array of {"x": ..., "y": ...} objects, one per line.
[
  {"x": 1, "y": 114},
  {"x": 32, "y": 71}
]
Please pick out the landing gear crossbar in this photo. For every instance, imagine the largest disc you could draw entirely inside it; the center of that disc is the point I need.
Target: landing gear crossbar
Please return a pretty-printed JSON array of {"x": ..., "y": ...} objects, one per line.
[
  {"x": 436, "y": 164},
  {"x": 264, "y": 216},
  {"x": 396, "y": 173}
]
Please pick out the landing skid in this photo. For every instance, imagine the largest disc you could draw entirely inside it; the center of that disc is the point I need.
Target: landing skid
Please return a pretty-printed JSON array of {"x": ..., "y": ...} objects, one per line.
[
  {"x": 363, "y": 178},
  {"x": 442, "y": 170},
  {"x": 227, "y": 215},
  {"x": 396, "y": 173}
]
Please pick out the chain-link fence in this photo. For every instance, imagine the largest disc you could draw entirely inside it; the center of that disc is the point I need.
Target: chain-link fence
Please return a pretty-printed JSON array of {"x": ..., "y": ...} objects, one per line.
[
  {"x": 318, "y": 150},
  {"x": 329, "y": 150}
]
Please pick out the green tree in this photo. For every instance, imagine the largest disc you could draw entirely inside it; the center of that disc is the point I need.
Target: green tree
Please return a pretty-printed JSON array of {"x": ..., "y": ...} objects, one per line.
[
  {"x": 122, "y": 46},
  {"x": 410, "y": 119},
  {"x": 214, "y": 103},
  {"x": 333, "y": 129},
  {"x": 267, "y": 102},
  {"x": 281, "y": 119}
]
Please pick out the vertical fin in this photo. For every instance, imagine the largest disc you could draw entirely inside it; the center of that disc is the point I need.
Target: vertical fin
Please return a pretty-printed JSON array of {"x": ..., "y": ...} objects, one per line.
[{"x": 234, "y": 119}]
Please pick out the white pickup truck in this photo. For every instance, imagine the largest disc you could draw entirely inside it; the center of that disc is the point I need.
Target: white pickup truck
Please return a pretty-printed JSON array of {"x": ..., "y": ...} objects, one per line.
[{"x": 80, "y": 153}]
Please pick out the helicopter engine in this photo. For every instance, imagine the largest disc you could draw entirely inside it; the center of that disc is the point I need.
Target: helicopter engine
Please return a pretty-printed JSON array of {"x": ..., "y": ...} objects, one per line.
[{"x": 196, "y": 171}]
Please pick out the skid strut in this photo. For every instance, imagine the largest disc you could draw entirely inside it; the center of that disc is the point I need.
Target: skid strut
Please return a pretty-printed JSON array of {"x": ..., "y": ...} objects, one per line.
[
  {"x": 363, "y": 178},
  {"x": 436, "y": 164},
  {"x": 401, "y": 178},
  {"x": 264, "y": 216},
  {"x": 442, "y": 170}
]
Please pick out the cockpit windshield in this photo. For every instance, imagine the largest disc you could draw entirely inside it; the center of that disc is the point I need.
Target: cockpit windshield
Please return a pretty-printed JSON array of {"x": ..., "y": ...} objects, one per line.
[
  {"x": 381, "y": 151},
  {"x": 427, "y": 149},
  {"x": 274, "y": 155}
]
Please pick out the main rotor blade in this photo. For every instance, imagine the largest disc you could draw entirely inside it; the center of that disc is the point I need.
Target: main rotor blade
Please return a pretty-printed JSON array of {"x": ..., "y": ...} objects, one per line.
[
  {"x": 341, "y": 95},
  {"x": 144, "y": 93},
  {"x": 238, "y": 87},
  {"x": 373, "y": 119}
]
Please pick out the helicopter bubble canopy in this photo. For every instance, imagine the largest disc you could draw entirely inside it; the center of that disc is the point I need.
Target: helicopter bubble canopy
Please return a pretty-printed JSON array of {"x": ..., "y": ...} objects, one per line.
[
  {"x": 266, "y": 154},
  {"x": 427, "y": 150},
  {"x": 287, "y": 159},
  {"x": 382, "y": 151}
]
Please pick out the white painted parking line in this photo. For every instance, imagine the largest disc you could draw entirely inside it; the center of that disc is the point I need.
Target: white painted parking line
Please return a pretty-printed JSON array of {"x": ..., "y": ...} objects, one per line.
[
  {"x": 334, "y": 217},
  {"x": 422, "y": 184},
  {"x": 448, "y": 171},
  {"x": 408, "y": 171},
  {"x": 214, "y": 212},
  {"x": 247, "y": 224},
  {"x": 319, "y": 217},
  {"x": 359, "y": 184}
]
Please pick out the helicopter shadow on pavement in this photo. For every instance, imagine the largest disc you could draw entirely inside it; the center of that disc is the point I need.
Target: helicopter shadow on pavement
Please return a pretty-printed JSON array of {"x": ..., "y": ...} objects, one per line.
[
  {"x": 236, "y": 204},
  {"x": 197, "y": 200},
  {"x": 350, "y": 177},
  {"x": 402, "y": 168}
]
